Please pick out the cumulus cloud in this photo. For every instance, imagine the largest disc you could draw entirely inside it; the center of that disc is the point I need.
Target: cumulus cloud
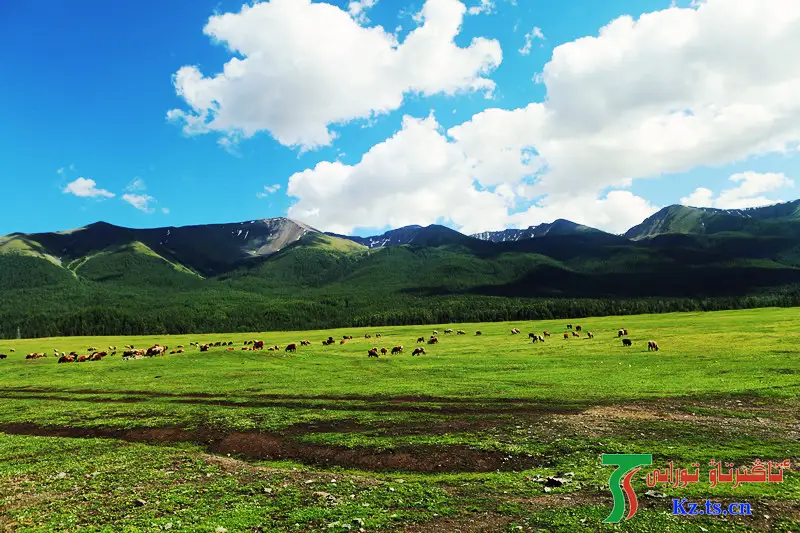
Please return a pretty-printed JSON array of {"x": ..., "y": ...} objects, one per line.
[
  {"x": 139, "y": 201},
  {"x": 414, "y": 177},
  {"x": 303, "y": 66},
  {"x": 268, "y": 189},
  {"x": 358, "y": 9},
  {"x": 485, "y": 6},
  {"x": 535, "y": 33},
  {"x": 86, "y": 188},
  {"x": 748, "y": 193}
]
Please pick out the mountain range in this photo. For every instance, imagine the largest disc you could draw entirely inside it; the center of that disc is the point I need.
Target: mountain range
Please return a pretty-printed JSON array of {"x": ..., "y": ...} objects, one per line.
[{"x": 277, "y": 273}]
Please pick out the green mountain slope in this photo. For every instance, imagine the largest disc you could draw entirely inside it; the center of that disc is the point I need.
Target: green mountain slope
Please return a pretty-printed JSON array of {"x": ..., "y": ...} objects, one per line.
[{"x": 277, "y": 274}]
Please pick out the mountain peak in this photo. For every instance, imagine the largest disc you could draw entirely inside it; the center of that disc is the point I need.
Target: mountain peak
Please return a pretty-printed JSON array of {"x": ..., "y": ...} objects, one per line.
[{"x": 559, "y": 227}]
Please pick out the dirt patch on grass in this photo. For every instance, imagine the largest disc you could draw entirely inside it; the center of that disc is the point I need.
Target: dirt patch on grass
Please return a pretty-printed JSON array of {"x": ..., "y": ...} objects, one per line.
[
  {"x": 478, "y": 523},
  {"x": 451, "y": 458}
]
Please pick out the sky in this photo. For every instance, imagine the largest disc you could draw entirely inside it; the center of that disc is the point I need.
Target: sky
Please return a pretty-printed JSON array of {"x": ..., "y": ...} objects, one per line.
[{"x": 362, "y": 116}]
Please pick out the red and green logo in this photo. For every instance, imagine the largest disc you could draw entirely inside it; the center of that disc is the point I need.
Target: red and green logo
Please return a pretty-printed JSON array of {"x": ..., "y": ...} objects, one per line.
[{"x": 620, "y": 482}]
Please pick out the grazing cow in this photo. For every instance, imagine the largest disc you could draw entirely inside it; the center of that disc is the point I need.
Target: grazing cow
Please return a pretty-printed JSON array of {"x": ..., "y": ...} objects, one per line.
[
  {"x": 515, "y": 331},
  {"x": 569, "y": 326},
  {"x": 652, "y": 345},
  {"x": 418, "y": 351},
  {"x": 578, "y": 327},
  {"x": 377, "y": 335},
  {"x": 397, "y": 350},
  {"x": 532, "y": 335},
  {"x": 245, "y": 349},
  {"x": 590, "y": 334},
  {"x": 258, "y": 345},
  {"x": 622, "y": 333},
  {"x": 461, "y": 332},
  {"x": 479, "y": 332},
  {"x": 291, "y": 347},
  {"x": 341, "y": 341},
  {"x": 66, "y": 359},
  {"x": 541, "y": 339},
  {"x": 347, "y": 338},
  {"x": 448, "y": 331},
  {"x": 433, "y": 340},
  {"x": 566, "y": 335},
  {"x": 626, "y": 342},
  {"x": 181, "y": 351},
  {"x": 384, "y": 351},
  {"x": 372, "y": 353},
  {"x": 576, "y": 334},
  {"x": 3, "y": 356},
  {"x": 420, "y": 339},
  {"x": 546, "y": 333},
  {"x": 82, "y": 359},
  {"x": 435, "y": 332},
  {"x": 96, "y": 356},
  {"x": 203, "y": 348},
  {"x": 305, "y": 343},
  {"x": 12, "y": 350},
  {"x": 91, "y": 349},
  {"x": 367, "y": 336}
]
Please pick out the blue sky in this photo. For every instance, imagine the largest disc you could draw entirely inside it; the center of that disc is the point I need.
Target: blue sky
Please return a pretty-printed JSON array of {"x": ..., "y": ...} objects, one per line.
[{"x": 88, "y": 87}]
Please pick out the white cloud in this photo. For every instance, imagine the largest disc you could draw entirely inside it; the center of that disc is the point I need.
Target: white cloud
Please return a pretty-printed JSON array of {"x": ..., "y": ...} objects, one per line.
[
  {"x": 701, "y": 197},
  {"x": 136, "y": 185},
  {"x": 485, "y": 6},
  {"x": 617, "y": 212},
  {"x": 139, "y": 201},
  {"x": 358, "y": 9},
  {"x": 60, "y": 171},
  {"x": 414, "y": 177},
  {"x": 165, "y": 210},
  {"x": 303, "y": 66},
  {"x": 752, "y": 185},
  {"x": 268, "y": 189},
  {"x": 535, "y": 33},
  {"x": 86, "y": 188}
]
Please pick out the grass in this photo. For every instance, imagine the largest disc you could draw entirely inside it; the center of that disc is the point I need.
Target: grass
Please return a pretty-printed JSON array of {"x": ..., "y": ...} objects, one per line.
[{"x": 458, "y": 439}]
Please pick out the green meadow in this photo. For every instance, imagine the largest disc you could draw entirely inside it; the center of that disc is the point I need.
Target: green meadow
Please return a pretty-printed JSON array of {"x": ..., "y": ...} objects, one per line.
[{"x": 462, "y": 438}]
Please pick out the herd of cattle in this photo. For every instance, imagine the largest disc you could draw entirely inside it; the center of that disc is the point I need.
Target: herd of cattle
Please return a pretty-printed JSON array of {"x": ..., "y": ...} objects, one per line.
[{"x": 131, "y": 352}]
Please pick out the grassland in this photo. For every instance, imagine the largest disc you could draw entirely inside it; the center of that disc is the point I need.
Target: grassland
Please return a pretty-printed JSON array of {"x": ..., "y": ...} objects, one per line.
[{"x": 459, "y": 439}]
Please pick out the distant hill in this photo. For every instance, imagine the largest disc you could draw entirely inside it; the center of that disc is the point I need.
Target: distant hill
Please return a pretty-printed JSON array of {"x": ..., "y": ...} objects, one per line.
[
  {"x": 282, "y": 274},
  {"x": 557, "y": 228},
  {"x": 433, "y": 235},
  {"x": 706, "y": 220}
]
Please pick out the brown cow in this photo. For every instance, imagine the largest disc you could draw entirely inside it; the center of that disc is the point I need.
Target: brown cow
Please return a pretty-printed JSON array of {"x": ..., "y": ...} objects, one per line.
[
  {"x": 258, "y": 345},
  {"x": 461, "y": 332},
  {"x": 397, "y": 349},
  {"x": 622, "y": 333},
  {"x": 204, "y": 347},
  {"x": 341, "y": 341},
  {"x": 229, "y": 349},
  {"x": 305, "y": 343},
  {"x": 479, "y": 332},
  {"x": 652, "y": 345},
  {"x": 82, "y": 359},
  {"x": 433, "y": 340},
  {"x": 546, "y": 333},
  {"x": 566, "y": 335},
  {"x": 578, "y": 327},
  {"x": 66, "y": 359},
  {"x": 419, "y": 351},
  {"x": 291, "y": 347},
  {"x": 372, "y": 353},
  {"x": 384, "y": 351},
  {"x": 181, "y": 350}
]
